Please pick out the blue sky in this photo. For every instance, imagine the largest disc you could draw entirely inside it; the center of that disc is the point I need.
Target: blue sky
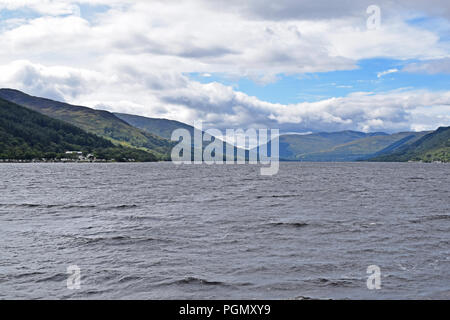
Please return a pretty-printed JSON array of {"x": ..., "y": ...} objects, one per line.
[{"x": 289, "y": 89}]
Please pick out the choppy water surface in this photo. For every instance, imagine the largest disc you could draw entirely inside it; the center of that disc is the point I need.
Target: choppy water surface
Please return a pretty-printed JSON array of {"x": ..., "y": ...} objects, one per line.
[{"x": 157, "y": 231}]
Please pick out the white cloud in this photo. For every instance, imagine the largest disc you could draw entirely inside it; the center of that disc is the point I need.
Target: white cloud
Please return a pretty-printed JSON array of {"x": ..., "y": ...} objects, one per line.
[
  {"x": 57, "y": 7},
  {"x": 57, "y": 82},
  {"x": 383, "y": 73},
  {"x": 176, "y": 97},
  {"x": 429, "y": 67},
  {"x": 41, "y": 6},
  {"x": 190, "y": 36}
]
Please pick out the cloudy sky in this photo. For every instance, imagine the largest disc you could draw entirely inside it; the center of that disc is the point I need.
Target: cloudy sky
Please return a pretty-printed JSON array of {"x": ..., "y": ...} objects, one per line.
[{"x": 295, "y": 65}]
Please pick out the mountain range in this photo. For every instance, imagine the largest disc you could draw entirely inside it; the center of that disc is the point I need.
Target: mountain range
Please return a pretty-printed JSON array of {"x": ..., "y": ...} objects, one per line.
[
  {"x": 341, "y": 146},
  {"x": 148, "y": 139}
]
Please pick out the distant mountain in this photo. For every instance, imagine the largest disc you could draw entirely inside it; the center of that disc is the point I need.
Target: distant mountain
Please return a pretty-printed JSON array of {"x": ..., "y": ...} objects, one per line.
[
  {"x": 340, "y": 146},
  {"x": 101, "y": 123},
  {"x": 26, "y": 135},
  {"x": 434, "y": 146},
  {"x": 299, "y": 146},
  {"x": 324, "y": 146},
  {"x": 363, "y": 148}
]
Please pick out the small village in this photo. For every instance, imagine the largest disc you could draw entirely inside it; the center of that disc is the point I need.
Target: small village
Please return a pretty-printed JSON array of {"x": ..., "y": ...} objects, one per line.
[{"x": 69, "y": 157}]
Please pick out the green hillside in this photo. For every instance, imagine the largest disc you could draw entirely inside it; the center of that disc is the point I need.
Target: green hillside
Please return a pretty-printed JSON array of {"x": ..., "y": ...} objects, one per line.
[
  {"x": 300, "y": 147},
  {"x": 341, "y": 146},
  {"x": 362, "y": 148},
  {"x": 101, "y": 123},
  {"x": 26, "y": 135},
  {"x": 434, "y": 146},
  {"x": 159, "y": 127}
]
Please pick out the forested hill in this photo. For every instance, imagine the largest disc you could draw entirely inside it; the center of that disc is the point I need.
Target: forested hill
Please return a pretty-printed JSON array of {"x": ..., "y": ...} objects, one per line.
[
  {"x": 26, "y": 134},
  {"x": 434, "y": 146},
  {"x": 99, "y": 122}
]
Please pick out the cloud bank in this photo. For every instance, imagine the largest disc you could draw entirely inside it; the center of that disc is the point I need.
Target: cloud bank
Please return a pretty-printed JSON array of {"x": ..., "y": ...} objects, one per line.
[{"x": 135, "y": 57}]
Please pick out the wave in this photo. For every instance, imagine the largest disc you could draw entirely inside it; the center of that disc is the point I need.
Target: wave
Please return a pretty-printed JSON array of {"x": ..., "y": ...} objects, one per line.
[
  {"x": 118, "y": 240},
  {"x": 333, "y": 283},
  {"x": 304, "y": 298},
  {"x": 289, "y": 224},
  {"x": 279, "y": 196},
  {"x": 125, "y": 279},
  {"x": 196, "y": 281},
  {"x": 72, "y": 206},
  {"x": 122, "y": 206},
  {"x": 431, "y": 218},
  {"x": 22, "y": 275},
  {"x": 45, "y": 206},
  {"x": 55, "y": 277}
]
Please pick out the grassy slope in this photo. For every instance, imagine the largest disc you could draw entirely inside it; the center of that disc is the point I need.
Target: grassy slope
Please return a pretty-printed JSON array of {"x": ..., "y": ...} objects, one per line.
[
  {"x": 293, "y": 146},
  {"x": 101, "y": 123},
  {"x": 434, "y": 146},
  {"x": 362, "y": 148},
  {"x": 159, "y": 127},
  {"x": 26, "y": 134},
  {"x": 313, "y": 147},
  {"x": 341, "y": 146}
]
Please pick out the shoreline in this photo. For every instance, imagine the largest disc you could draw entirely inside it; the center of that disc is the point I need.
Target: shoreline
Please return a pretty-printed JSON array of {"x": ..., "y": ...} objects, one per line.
[{"x": 167, "y": 161}]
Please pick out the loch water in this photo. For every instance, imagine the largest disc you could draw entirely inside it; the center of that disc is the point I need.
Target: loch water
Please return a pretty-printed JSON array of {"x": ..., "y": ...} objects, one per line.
[{"x": 161, "y": 231}]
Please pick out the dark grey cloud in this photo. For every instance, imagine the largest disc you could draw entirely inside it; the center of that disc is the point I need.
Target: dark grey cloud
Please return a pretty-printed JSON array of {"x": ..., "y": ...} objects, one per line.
[
  {"x": 137, "y": 43},
  {"x": 328, "y": 9}
]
